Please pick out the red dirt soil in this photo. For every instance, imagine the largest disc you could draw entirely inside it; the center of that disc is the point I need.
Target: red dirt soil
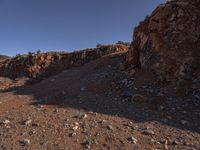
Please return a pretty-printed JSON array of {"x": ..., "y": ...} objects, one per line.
[{"x": 91, "y": 107}]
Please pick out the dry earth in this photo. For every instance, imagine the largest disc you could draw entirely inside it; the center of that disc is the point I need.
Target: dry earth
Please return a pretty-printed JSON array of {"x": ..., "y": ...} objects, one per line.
[{"x": 96, "y": 106}]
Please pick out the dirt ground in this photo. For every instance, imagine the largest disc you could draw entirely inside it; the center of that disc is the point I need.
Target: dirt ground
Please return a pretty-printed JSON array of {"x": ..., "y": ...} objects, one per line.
[{"x": 96, "y": 106}]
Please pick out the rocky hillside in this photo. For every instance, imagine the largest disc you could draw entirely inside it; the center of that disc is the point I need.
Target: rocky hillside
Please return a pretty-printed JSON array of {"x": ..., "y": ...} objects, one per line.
[
  {"x": 90, "y": 100},
  {"x": 168, "y": 42},
  {"x": 3, "y": 57},
  {"x": 41, "y": 65}
]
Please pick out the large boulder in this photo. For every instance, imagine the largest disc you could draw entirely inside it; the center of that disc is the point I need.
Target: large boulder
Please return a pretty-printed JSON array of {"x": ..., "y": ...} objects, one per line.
[{"x": 168, "y": 41}]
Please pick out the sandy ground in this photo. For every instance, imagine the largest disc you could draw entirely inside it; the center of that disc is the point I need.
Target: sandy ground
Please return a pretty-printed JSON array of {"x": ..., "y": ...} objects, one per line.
[{"x": 96, "y": 106}]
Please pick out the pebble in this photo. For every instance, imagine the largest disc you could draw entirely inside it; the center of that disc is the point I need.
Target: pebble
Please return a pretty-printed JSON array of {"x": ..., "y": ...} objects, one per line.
[
  {"x": 84, "y": 116},
  {"x": 76, "y": 126},
  {"x": 35, "y": 125},
  {"x": 28, "y": 122},
  {"x": 132, "y": 140},
  {"x": 183, "y": 122},
  {"x": 110, "y": 127},
  {"x": 132, "y": 72},
  {"x": 175, "y": 142},
  {"x": 139, "y": 98},
  {"x": 63, "y": 92},
  {"x": 154, "y": 141},
  {"x": 148, "y": 132},
  {"x": 160, "y": 94},
  {"x": 88, "y": 143},
  {"x": 164, "y": 120},
  {"x": 6, "y": 122},
  {"x": 56, "y": 111},
  {"x": 162, "y": 107},
  {"x": 166, "y": 145},
  {"x": 25, "y": 142},
  {"x": 82, "y": 89},
  {"x": 162, "y": 141},
  {"x": 72, "y": 134}
]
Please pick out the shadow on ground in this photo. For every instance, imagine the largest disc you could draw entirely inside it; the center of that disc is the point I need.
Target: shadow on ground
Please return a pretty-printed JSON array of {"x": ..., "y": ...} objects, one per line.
[{"x": 89, "y": 88}]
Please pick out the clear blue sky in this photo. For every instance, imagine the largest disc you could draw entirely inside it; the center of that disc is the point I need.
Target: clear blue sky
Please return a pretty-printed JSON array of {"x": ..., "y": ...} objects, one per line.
[{"x": 29, "y": 25}]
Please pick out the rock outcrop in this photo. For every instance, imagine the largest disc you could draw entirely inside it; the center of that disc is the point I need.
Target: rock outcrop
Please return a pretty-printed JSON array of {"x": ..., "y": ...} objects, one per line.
[
  {"x": 42, "y": 65},
  {"x": 168, "y": 42},
  {"x": 3, "y": 57}
]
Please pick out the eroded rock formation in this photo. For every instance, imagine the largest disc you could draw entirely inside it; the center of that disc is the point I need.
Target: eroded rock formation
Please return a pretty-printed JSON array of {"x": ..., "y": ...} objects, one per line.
[
  {"x": 38, "y": 66},
  {"x": 168, "y": 42}
]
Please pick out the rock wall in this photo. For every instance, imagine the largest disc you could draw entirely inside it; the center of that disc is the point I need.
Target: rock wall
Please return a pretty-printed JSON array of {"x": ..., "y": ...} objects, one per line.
[
  {"x": 3, "y": 57},
  {"x": 168, "y": 42},
  {"x": 37, "y": 66}
]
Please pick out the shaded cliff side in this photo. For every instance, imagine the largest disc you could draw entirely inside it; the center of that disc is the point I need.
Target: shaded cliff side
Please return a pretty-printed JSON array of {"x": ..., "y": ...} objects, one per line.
[{"x": 168, "y": 42}]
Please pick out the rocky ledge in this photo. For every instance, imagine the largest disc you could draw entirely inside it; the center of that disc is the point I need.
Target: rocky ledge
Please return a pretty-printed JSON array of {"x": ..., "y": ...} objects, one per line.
[{"x": 41, "y": 65}]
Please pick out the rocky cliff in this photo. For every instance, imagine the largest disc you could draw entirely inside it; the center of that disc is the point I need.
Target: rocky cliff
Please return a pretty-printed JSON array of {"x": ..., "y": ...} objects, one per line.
[
  {"x": 41, "y": 65},
  {"x": 168, "y": 42},
  {"x": 3, "y": 57}
]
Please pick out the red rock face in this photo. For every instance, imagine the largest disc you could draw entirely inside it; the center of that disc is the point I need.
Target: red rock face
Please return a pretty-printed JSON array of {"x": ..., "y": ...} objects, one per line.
[
  {"x": 168, "y": 42},
  {"x": 38, "y": 66}
]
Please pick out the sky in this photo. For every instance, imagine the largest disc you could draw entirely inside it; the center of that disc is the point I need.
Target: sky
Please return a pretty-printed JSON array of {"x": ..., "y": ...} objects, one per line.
[{"x": 31, "y": 25}]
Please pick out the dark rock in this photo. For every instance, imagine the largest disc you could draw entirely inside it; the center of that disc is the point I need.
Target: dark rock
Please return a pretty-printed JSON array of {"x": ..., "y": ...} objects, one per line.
[
  {"x": 25, "y": 142},
  {"x": 88, "y": 143},
  {"x": 148, "y": 132},
  {"x": 139, "y": 98},
  {"x": 167, "y": 42},
  {"x": 132, "y": 140}
]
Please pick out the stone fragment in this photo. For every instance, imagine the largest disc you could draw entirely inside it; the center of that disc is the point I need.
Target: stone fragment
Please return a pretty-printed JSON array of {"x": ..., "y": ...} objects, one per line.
[
  {"x": 28, "y": 122},
  {"x": 6, "y": 121},
  {"x": 110, "y": 127},
  {"x": 139, "y": 98},
  {"x": 88, "y": 143},
  {"x": 132, "y": 140},
  {"x": 148, "y": 132},
  {"x": 183, "y": 122},
  {"x": 82, "y": 89},
  {"x": 25, "y": 142}
]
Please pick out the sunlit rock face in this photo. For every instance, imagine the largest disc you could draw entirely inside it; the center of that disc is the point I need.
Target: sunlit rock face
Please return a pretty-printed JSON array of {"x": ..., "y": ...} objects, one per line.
[
  {"x": 42, "y": 65},
  {"x": 168, "y": 41}
]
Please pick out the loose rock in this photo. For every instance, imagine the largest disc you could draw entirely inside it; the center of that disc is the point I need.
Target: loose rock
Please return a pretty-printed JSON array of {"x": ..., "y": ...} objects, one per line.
[
  {"x": 25, "y": 142},
  {"x": 148, "y": 132},
  {"x": 132, "y": 140},
  {"x": 139, "y": 98}
]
